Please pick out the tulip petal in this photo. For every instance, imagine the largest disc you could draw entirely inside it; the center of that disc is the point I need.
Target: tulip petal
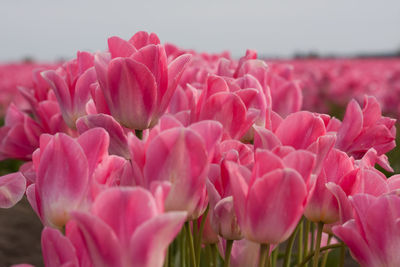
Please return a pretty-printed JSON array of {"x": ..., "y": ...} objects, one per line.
[
  {"x": 351, "y": 126},
  {"x": 300, "y": 129},
  {"x": 60, "y": 88},
  {"x": 132, "y": 93},
  {"x": 142, "y": 38},
  {"x": 118, "y": 140},
  {"x": 302, "y": 161},
  {"x": 357, "y": 245},
  {"x": 280, "y": 213},
  {"x": 94, "y": 143},
  {"x": 101, "y": 242},
  {"x": 12, "y": 189},
  {"x": 124, "y": 209},
  {"x": 240, "y": 189},
  {"x": 57, "y": 249},
  {"x": 150, "y": 241},
  {"x": 345, "y": 210},
  {"x": 178, "y": 155},
  {"x": 232, "y": 116},
  {"x": 210, "y": 131},
  {"x": 119, "y": 47},
  {"x": 264, "y": 138},
  {"x": 175, "y": 71},
  {"x": 63, "y": 184}
]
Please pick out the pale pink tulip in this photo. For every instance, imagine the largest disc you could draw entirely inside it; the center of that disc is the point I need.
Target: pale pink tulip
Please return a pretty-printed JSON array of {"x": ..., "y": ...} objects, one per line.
[
  {"x": 71, "y": 85},
  {"x": 366, "y": 128},
  {"x": 181, "y": 156},
  {"x": 137, "y": 83},
  {"x": 322, "y": 206},
  {"x": 373, "y": 236},
  {"x": 57, "y": 249},
  {"x": 63, "y": 185},
  {"x": 125, "y": 228},
  {"x": 266, "y": 189},
  {"x": 118, "y": 139}
]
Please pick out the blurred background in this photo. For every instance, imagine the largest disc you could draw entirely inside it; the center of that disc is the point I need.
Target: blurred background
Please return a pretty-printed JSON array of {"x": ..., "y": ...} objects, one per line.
[{"x": 48, "y": 30}]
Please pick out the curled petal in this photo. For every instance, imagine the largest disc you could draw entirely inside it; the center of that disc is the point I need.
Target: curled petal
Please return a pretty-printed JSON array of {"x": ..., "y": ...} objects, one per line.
[{"x": 12, "y": 189}]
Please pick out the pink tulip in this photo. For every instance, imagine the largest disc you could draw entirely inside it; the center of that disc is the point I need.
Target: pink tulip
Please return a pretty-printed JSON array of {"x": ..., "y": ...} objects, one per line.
[
  {"x": 373, "y": 235},
  {"x": 222, "y": 214},
  {"x": 300, "y": 129},
  {"x": 19, "y": 136},
  {"x": 125, "y": 228},
  {"x": 266, "y": 189},
  {"x": 181, "y": 156},
  {"x": 72, "y": 87},
  {"x": 57, "y": 249},
  {"x": 244, "y": 253},
  {"x": 322, "y": 206},
  {"x": 209, "y": 236},
  {"x": 366, "y": 181},
  {"x": 284, "y": 93},
  {"x": 365, "y": 129},
  {"x": 118, "y": 138},
  {"x": 63, "y": 185},
  {"x": 238, "y": 114},
  {"x": 137, "y": 83}
]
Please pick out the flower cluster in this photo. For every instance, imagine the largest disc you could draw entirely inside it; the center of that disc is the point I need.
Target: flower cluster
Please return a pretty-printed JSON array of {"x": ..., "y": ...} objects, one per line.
[
  {"x": 328, "y": 83},
  {"x": 151, "y": 155}
]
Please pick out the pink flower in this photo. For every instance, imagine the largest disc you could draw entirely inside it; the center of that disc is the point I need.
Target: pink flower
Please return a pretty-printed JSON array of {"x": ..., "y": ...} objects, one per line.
[
  {"x": 118, "y": 139},
  {"x": 57, "y": 249},
  {"x": 265, "y": 212},
  {"x": 71, "y": 85},
  {"x": 64, "y": 185},
  {"x": 19, "y": 136},
  {"x": 137, "y": 82},
  {"x": 365, "y": 129},
  {"x": 181, "y": 157},
  {"x": 373, "y": 236},
  {"x": 125, "y": 228},
  {"x": 322, "y": 206},
  {"x": 242, "y": 106},
  {"x": 222, "y": 213}
]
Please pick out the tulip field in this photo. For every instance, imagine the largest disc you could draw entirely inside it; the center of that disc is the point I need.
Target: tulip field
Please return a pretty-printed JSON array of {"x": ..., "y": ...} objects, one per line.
[{"x": 151, "y": 155}]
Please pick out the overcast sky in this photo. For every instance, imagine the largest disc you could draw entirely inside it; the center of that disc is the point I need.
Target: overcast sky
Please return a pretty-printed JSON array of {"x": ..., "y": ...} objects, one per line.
[{"x": 50, "y": 29}]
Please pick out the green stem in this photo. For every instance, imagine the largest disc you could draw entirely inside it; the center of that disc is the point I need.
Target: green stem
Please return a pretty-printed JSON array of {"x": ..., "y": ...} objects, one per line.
[
  {"x": 306, "y": 234},
  {"x": 312, "y": 245},
  {"x": 289, "y": 247},
  {"x": 200, "y": 235},
  {"x": 187, "y": 256},
  {"x": 318, "y": 243},
  {"x": 191, "y": 245},
  {"x": 195, "y": 235},
  {"x": 306, "y": 259},
  {"x": 139, "y": 134},
  {"x": 325, "y": 258},
  {"x": 264, "y": 255},
  {"x": 214, "y": 253},
  {"x": 167, "y": 259},
  {"x": 63, "y": 229},
  {"x": 228, "y": 250},
  {"x": 342, "y": 254},
  {"x": 300, "y": 242},
  {"x": 182, "y": 248},
  {"x": 274, "y": 256},
  {"x": 207, "y": 254}
]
